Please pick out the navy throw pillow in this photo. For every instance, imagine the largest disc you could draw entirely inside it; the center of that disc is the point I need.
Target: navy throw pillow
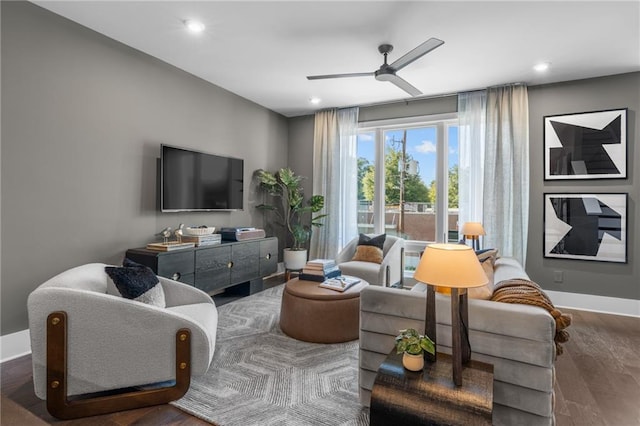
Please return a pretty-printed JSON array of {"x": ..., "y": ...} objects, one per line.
[
  {"x": 377, "y": 241},
  {"x": 137, "y": 282}
]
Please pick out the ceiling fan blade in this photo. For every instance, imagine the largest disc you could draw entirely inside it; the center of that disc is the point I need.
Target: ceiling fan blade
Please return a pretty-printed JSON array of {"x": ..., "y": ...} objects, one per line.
[
  {"x": 404, "y": 85},
  {"x": 355, "y": 74},
  {"x": 416, "y": 53}
]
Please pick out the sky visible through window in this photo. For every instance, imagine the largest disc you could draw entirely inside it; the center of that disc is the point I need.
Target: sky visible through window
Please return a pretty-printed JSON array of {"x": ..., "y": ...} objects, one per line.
[{"x": 421, "y": 146}]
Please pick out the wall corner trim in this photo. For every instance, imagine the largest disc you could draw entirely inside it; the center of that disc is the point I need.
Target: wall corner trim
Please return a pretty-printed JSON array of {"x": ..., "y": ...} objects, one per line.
[
  {"x": 15, "y": 345},
  {"x": 593, "y": 303}
]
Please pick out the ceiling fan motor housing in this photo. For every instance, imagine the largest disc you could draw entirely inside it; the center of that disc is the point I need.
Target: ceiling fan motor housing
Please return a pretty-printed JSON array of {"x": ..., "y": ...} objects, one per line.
[{"x": 385, "y": 73}]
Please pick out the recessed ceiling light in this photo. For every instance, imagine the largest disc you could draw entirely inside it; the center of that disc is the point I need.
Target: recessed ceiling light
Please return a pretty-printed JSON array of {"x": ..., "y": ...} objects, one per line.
[
  {"x": 542, "y": 66},
  {"x": 315, "y": 100},
  {"x": 194, "y": 26}
]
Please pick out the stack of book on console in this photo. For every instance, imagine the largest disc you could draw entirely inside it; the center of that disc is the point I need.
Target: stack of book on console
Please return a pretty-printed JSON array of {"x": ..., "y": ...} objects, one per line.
[
  {"x": 171, "y": 245},
  {"x": 203, "y": 240},
  {"x": 319, "y": 270}
]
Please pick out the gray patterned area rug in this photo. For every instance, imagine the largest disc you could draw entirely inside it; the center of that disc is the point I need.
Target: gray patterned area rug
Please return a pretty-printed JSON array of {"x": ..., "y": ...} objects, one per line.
[{"x": 260, "y": 376}]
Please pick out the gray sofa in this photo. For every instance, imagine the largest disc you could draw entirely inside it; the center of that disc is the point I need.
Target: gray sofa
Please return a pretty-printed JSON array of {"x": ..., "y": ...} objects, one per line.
[{"x": 517, "y": 339}]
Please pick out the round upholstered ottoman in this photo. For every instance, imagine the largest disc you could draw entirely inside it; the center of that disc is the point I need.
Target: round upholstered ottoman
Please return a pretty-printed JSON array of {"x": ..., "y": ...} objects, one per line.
[{"x": 320, "y": 315}]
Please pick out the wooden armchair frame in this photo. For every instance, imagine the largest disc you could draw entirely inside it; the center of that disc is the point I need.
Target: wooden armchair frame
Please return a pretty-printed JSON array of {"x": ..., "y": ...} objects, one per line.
[{"x": 61, "y": 407}]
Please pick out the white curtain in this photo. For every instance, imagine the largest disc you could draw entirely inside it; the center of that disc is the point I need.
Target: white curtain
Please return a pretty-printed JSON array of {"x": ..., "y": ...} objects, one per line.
[
  {"x": 335, "y": 177},
  {"x": 506, "y": 173},
  {"x": 472, "y": 115}
]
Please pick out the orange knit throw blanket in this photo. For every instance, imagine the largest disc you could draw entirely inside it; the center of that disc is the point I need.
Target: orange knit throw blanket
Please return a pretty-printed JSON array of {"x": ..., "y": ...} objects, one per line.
[{"x": 529, "y": 293}]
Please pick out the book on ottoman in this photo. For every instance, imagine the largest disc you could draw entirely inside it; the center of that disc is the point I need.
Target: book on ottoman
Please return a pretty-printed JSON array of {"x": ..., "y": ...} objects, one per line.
[{"x": 340, "y": 283}]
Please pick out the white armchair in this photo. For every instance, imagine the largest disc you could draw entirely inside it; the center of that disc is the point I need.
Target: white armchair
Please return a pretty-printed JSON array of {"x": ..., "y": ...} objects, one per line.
[
  {"x": 86, "y": 338},
  {"x": 388, "y": 273}
]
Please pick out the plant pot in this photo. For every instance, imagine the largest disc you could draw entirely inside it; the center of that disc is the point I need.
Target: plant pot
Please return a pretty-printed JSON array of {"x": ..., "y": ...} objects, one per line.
[
  {"x": 413, "y": 362},
  {"x": 295, "y": 259}
]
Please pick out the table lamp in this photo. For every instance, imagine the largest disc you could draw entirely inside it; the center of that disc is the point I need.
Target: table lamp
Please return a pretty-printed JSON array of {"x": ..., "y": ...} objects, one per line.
[
  {"x": 472, "y": 231},
  {"x": 455, "y": 266}
]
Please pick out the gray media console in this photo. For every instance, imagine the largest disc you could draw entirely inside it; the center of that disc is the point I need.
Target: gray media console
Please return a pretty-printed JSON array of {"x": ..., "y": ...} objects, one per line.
[{"x": 215, "y": 267}]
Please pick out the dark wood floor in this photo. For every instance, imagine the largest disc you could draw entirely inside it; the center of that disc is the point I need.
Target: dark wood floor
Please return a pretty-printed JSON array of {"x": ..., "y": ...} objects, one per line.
[
  {"x": 598, "y": 382},
  {"x": 598, "y": 376}
]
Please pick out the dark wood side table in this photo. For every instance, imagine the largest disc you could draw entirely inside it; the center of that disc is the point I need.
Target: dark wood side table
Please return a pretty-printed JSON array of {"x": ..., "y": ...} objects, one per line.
[{"x": 429, "y": 397}]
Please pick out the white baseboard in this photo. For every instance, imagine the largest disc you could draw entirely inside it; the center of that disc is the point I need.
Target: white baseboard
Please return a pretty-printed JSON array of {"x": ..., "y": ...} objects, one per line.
[
  {"x": 15, "y": 345},
  {"x": 590, "y": 302}
]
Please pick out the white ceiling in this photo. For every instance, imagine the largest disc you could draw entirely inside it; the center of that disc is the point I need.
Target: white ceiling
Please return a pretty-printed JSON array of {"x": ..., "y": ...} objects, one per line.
[{"x": 263, "y": 50}]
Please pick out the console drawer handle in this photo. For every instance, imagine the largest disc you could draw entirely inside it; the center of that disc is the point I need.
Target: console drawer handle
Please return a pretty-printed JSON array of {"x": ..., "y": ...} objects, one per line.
[
  {"x": 268, "y": 256},
  {"x": 176, "y": 276},
  {"x": 230, "y": 265}
]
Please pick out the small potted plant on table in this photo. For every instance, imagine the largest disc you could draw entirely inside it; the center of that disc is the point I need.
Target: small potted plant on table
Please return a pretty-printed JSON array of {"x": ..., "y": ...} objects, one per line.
[{"x": 413, "y": 345}]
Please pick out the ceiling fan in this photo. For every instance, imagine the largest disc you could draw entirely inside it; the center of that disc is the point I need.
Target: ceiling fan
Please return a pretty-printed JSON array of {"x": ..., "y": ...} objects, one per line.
[{"x": 387, "y": 72}]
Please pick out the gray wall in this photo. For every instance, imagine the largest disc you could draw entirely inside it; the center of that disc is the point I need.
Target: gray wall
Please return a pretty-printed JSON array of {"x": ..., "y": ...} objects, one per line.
[
  {"x": 300, "y": 150},
  {"x": 83, "y": 117},
  {"x": 598, "y": 278}
]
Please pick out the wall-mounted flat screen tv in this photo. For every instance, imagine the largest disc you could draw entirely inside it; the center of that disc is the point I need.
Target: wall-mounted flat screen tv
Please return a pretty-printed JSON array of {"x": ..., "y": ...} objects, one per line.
[{"x": 196, "y": 181}]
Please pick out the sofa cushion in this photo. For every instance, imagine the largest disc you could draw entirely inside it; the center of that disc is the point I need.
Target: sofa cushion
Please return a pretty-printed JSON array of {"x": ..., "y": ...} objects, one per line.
[
  {"x": 487, "y": 259},
  {"x": 506, "y": 268},
  {"x": 370, "y": 249},
  {"x": 137, "y": 282}
]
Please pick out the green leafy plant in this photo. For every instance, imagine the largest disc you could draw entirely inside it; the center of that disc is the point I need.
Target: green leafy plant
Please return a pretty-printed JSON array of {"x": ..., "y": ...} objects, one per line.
[
  {"x": 285, "y": 186},
  {"x": 411, "y": 342}
]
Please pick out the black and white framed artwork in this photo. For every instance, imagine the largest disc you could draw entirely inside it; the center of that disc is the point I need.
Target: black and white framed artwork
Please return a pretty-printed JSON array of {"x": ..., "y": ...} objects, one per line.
[
  {"x": 586, "y": 226},
  {"x": 587, "y": 145}
]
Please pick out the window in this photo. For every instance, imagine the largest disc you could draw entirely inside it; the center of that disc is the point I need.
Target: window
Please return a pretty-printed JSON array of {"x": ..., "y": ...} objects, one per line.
[{"x": 403, "y": 168}]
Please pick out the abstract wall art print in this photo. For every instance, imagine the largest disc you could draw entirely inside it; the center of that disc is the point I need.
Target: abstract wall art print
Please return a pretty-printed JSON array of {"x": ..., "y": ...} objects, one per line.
[
  {"x": 586, "y": 145},
  {"x": 586, "y": 226}
]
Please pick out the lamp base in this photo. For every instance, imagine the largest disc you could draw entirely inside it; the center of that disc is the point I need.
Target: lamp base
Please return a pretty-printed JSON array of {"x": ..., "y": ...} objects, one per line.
[
  {"x": 460, "y": 347},
  {"x": 475, "y": 241}
]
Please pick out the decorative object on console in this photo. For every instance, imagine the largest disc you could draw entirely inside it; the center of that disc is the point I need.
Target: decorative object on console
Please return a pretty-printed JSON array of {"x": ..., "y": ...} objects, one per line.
[
  {"x": 472, "y": 231},
  {"x": 370, "y": 249},
  {"x": 412, "y": 345},
  {"x": 455, "y": 266},
  {"x": 285, "y": 186},
  {"x": 241, "y": 234},
  {"x": 137, "y": 282},
  {"x": 586, "y": 226},
  {"x": 587, "y": 145},
  {"x": 179, "y": 232},
  {"x": 198, "y": 230},
  {"x": 165, "y": 234}
]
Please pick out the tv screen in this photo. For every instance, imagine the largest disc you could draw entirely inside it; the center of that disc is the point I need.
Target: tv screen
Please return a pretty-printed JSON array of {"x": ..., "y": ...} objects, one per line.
[{"x": 196, "y": 181}]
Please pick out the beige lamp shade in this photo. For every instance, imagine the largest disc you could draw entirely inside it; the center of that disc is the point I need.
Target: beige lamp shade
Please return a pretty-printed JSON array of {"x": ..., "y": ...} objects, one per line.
[
  {"x": 450, "y": 265},
  {"x": 472, "y": 228}
]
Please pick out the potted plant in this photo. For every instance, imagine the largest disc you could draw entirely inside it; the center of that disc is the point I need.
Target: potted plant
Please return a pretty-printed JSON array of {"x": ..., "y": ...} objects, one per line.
[
  {"x": 413, "y": 345},
  {"x": 285, "y": 186}
]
